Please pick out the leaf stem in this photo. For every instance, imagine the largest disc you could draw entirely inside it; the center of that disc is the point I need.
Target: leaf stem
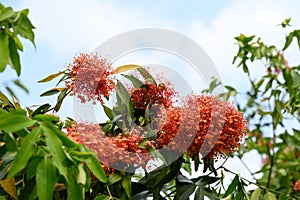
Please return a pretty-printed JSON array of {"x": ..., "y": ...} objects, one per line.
[
  {"x": 272, "y": 151},
  {"x": 251, "y": 182}
]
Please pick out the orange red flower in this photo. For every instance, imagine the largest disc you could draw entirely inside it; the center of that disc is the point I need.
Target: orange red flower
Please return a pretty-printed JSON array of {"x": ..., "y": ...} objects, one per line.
[
  {"x": 89, "y": 78},
  {"x": 152, "y": 94},
  {"x": 297, "y": 186}
]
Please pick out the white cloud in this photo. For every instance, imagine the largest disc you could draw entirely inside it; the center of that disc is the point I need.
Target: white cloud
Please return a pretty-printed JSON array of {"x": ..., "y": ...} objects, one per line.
[
  {"x": 251, "y": 18},
  {"x": 73, "y": 25}
]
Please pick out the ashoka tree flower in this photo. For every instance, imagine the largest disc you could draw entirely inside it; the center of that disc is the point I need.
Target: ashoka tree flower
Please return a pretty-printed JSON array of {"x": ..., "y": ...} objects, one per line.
[
  {"x": 110, "y": 150},
  {"x": 89, "y": 78},
  {"x": 206, "y": 125},
  {"x": 153, "y": 94},
  {"x": 220, "y": 127},
  {"x": 297, "y": 186}
]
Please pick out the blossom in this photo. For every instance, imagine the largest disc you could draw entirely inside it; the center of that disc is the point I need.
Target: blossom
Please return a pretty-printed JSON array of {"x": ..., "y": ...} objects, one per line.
[
  {"x": 89, "y": 78},
  {"x": 297, "y": 186},
  {"x": 110, "y": 150},
  {"x": 153, "y": 94},
  {"x": 222, "y": 135},
  {"x": 191, "y": 127}
]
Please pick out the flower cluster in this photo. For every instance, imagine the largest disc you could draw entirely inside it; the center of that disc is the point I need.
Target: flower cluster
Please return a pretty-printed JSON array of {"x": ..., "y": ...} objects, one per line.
[
  {"x": 110, "y": 150},
  {"x": 89, "y": 78},
  {"x": 220, "y": 126},
  {"x": 152, "y": 94},
  {"x": 297, "y": 186},
  {"x": 200, "y": 124},
  {"x": 205, "y": 125}
]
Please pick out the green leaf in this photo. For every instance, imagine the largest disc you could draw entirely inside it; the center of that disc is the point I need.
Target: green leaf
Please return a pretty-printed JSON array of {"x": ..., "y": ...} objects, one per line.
[
  {"x": 55, "y": 146},
  {"x": 45, "y": 179},
  {"x": 285, "y": 23},
  {"x": 126, "y": 184},
  {"x": 67, "y": 142},
  {"x": 10, "y": 142},
  {"x": 295, "y": 79},
  {"x": 4, "y": 50},
  {"x": 50, "y": 118},
  {"x": 60, "y": 99},
  {"x": 125, "y": 98},
  {"x": 96, "y": 168},
  {"x": 213, "y": 84},
  {"x": 146, "y": 75},
  {"x": 102, "y": 197},
  {"x": 25, "y": 152},
  {"x": 14, "y": 121},
  {"x": 14, "y": 56},
  {"x": 81, "y": 177},
  {"x": 207, "y": 180},
  {"x": 283, "y": 196},
  {"x": 20, "y": 85},
  {"x": 108, "y": 112},
  {"x": 184, "y": 191},
  {"x": 23, "y": 26},
  {"x": 4, "y": 98},
  {"x": 202, "y": 192},
  {"x": 6, "y": 13},
  {"x": 232, "y": 186},
  {"x": 288, "y": 41},
  {"x": 32, "y": 165},
  {"x": 113, "y": 178},
  {"x": 6, "y": 159},
  {"x": 269, "y": 196},
  {"x": 18, "y": 43},
  {"x": 41, "y": 110},
  {"x": 94, "y": 165},
  {"x": 256, "y": 194},
  {"x": 51, "y": 77},
  {"x": 75, "y": 190},
  {"x": 10, "y": 91},
  {"x": 136, "y": 82},
  {"x": 52, "y": 91},
  {"x": 125, "y": 68}
]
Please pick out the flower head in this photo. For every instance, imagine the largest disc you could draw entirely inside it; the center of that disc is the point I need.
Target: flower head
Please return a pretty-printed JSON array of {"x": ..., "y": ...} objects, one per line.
[
  {"x": 297, "y": 186},
  {"x": 152, "y": 94},
  {"x": 201, "y": 127},
  {"x": 89, "y": 78},
  {"x": 110, "y": 150},
  {"x": 217, "y": 134}
]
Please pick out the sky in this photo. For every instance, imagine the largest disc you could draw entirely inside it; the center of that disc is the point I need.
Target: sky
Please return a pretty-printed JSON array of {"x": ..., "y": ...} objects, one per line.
[{"x": 66, "y": 28}]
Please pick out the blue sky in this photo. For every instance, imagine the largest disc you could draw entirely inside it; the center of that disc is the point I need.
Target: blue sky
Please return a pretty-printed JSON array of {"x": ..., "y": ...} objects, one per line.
[{"x": 65, "y": 28}]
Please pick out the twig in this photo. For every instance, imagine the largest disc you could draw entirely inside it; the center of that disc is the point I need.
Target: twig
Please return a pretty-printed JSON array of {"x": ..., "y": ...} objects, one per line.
[{"x": 251, "y": 182}]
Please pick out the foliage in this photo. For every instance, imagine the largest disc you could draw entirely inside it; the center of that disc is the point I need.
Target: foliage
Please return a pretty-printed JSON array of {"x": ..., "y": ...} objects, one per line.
[{"x": 43, "y": 157}]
